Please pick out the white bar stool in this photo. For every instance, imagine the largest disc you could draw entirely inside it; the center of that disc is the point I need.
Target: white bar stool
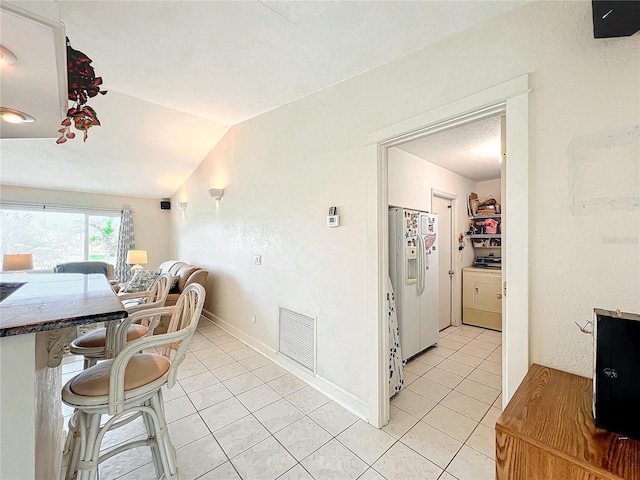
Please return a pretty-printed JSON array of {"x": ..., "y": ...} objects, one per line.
[
  {"x": 100, "y": 344},
  {"x": 128, "y": 386}
]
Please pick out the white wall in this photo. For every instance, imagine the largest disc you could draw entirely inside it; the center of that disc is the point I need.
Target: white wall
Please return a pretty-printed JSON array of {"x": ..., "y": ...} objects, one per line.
[
  {"x": 489, "y": 187},
  {"x": 284, "y": 169},
  {"x": 151, "y": 225},
  {"x": 410, "y": 182}
]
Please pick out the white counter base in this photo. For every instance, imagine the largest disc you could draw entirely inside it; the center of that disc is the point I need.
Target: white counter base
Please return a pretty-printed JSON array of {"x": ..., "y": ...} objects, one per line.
[{"x": 31, "y": 431}]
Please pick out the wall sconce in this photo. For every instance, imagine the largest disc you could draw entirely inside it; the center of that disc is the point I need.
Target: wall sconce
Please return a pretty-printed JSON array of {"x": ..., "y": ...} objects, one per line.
[
  {"x": 216, "y": 193},
  {"x": 182, "y": 205},
  {"x": 7, "y": 57}
]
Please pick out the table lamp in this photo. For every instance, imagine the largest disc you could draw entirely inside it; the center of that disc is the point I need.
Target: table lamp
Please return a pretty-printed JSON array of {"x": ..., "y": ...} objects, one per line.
[
  {"x": 137, "y": 257},
  {"x": 17, "y": 262}
]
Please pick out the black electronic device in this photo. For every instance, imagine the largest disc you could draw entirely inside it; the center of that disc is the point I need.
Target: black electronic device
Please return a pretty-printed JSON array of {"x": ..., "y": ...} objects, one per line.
[
  {"x": 488, "y": 261},
  {"x": 615, "y": 18},
  {"x": 165, "y": 205},
  {"x": 616, "y": 385}
]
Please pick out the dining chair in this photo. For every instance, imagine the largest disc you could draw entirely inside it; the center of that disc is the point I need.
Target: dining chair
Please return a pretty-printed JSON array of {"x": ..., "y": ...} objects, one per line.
[
  {"x": 129, "y": 386},
  {"x": 100, "y": 344}
]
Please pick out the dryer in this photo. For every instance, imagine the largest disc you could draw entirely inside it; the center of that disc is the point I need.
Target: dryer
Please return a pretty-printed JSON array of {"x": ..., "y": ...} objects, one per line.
[{"x": 482, "y": 297}]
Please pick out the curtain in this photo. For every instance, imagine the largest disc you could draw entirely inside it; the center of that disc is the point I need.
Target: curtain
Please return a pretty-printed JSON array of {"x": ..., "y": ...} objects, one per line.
[
  {"x": 396, "y": 377},
  {"x": 126, "y": 242}
]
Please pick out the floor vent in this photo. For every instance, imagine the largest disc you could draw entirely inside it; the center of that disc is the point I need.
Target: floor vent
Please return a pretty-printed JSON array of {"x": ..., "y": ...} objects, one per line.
[{"x": 297, "y": 338}]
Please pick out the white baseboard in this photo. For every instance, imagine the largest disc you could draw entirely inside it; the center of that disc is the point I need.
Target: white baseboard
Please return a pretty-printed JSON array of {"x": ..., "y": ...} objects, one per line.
[{"x": 336, "y": 393}]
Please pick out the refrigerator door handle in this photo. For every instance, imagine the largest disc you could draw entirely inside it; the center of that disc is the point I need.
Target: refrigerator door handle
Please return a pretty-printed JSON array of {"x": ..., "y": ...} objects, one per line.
[{"x": 421, "y": 265}]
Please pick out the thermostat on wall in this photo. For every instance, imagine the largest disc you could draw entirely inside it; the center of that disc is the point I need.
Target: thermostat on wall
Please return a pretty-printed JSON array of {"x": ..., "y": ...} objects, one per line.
[{"x": 333, "y": 220}]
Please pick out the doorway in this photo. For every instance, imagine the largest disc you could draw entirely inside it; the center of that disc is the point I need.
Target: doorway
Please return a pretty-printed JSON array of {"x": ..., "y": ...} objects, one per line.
[
  {"x": 512, "y": 98},
  {"x": 442, "y": 205}
]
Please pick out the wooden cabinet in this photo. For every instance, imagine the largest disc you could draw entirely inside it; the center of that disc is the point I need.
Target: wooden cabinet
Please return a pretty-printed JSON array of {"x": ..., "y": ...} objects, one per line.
[{"x": 547, "y": 432}]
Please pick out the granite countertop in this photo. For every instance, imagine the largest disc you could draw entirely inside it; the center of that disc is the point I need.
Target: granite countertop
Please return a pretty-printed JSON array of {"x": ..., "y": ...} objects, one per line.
[{"x": 35, "y": 303}]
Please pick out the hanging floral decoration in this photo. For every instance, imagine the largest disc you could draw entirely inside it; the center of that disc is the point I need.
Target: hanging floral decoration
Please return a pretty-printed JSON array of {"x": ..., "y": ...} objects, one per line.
[{"x": 83, "y": 85}]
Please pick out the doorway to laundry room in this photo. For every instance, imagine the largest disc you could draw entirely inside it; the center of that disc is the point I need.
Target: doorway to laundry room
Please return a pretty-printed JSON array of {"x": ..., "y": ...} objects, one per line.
[
  {"x": 512, "y": 99},
  {"x": 455, "y": 175},
  {"x": 444, "y": 195}
]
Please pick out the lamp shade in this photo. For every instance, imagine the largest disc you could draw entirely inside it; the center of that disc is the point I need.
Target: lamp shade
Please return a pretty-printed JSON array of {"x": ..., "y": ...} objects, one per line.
[
  {"x": 17, "y": 261},
  {"x": 137, "y": 256}
]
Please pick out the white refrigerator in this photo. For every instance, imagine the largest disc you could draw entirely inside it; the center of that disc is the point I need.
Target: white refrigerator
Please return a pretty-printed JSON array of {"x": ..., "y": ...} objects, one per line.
[{"x": 413, "y": 268}]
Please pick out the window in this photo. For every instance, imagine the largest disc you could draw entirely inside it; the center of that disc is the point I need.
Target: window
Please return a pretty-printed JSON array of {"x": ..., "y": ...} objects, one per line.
[
  {"x": 103, "y": 237},
  {"x": 58, "y": 236}
]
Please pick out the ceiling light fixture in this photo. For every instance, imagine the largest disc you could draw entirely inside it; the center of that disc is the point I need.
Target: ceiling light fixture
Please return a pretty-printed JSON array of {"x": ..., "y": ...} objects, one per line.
[
  {"x": 10, "y": 115},
  {"x": 7, "y": 57}
]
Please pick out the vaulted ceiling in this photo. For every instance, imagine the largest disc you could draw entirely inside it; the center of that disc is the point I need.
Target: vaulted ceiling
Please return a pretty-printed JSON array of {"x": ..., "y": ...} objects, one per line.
[{"x": 180, "y": 73}]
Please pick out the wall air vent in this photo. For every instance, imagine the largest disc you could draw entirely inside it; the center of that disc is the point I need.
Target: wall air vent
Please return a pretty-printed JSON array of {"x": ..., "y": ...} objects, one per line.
[{"x": 297, "y": 338}]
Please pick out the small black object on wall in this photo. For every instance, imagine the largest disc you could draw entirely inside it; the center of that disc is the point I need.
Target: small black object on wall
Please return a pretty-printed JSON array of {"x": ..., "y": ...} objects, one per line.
[
  {"x": 165, "y": 205},
  {"x": 615, "y": 18},
  {"x": 616, "y": 393}
]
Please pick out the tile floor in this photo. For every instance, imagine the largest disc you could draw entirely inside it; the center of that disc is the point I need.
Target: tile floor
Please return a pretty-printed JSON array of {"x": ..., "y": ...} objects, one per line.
[{"x": 237, "y": 415}]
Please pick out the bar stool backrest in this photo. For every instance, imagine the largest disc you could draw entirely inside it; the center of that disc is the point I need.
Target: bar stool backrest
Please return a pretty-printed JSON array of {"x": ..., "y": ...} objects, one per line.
[
  {"x": 185, "y": 315},
  {"x": 185, "y": 319}
]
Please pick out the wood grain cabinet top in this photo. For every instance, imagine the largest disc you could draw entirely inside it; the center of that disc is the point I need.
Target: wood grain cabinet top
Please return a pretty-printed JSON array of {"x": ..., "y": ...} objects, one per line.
[{"x": 547, "y": 432}]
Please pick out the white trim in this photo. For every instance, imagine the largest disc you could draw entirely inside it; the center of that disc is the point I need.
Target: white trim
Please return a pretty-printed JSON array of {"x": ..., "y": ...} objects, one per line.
[
  {"x": 515, "y": 331},
  {"x": 511, "y": 96},
  {"x": 442, "y": 194},
  {"x": 377, "y": 271},
  {"x": 336, "y": 393},
  {"x": 438, "y": 124},
  {"x": 467, "y": 107},
  {"x": 59, "y": 208},
  {"x": 257, "y": 345}
]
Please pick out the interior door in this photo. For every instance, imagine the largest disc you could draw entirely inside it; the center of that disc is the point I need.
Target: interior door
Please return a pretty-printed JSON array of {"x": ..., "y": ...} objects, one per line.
[{"x": 444, "y": 208}]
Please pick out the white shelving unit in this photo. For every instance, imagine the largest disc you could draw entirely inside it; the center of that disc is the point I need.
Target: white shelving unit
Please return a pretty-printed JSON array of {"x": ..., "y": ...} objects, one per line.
[{"x": 486, "y": 236}]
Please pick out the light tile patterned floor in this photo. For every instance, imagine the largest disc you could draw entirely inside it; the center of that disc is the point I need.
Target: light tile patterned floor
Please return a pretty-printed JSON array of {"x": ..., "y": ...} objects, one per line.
[{"x": 237, "y": 415}]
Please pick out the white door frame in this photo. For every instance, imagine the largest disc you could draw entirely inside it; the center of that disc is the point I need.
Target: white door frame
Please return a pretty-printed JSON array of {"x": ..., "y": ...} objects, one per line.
[
  {"x": 455, "y": 263},
  {"x": 511, "y": 97}
]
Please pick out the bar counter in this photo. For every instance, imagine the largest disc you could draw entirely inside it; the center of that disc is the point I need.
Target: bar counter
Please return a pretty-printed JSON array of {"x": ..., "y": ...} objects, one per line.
[{"x": 38, "y": 317}]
